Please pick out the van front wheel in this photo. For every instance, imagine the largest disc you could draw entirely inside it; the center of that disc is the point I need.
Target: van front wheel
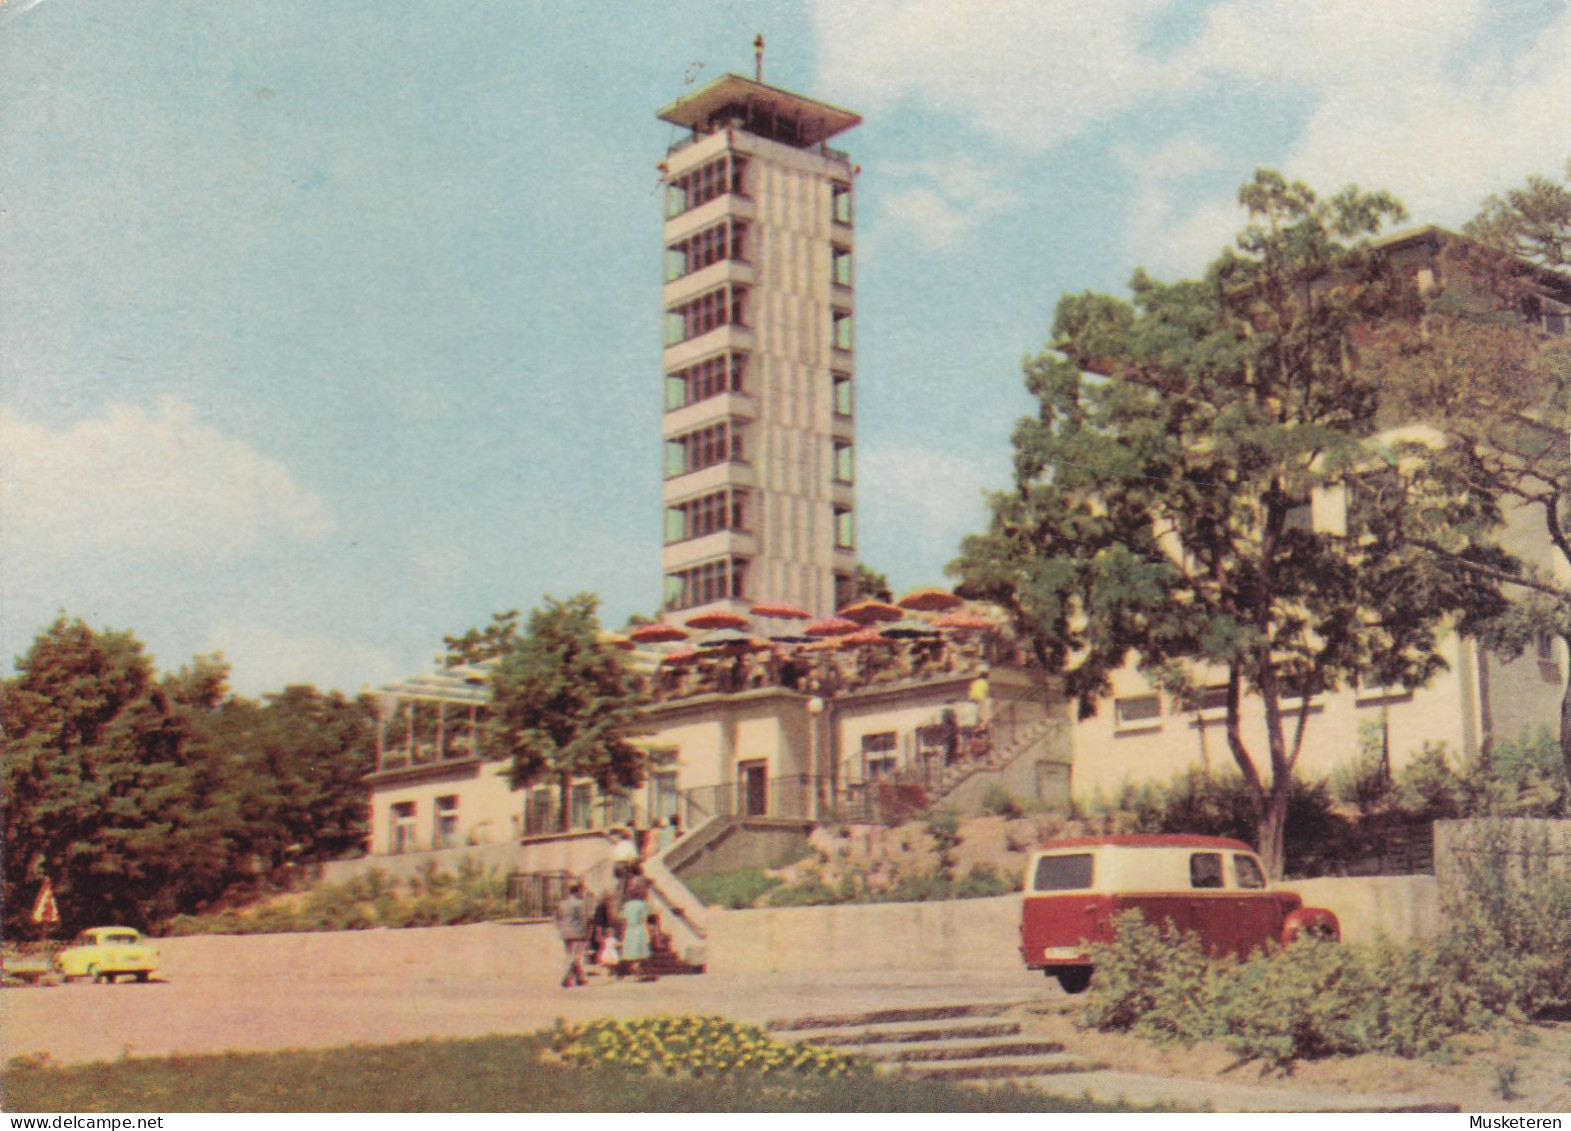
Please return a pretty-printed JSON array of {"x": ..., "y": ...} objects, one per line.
[{"x": 1074, "y": 979}]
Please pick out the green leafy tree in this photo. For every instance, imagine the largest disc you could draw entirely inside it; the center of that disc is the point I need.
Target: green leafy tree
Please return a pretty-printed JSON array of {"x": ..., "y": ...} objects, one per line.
[
  {"x": 295, "y": 763},
  {"x": 479, "y": 644},
  {"x": 871, "y": 585},
  {"x": 563, "y": 703},
  {"x": 1481, "y": 370},
  {"x": 104, "y": 790},
  {"x": 1161, "y": 490}
]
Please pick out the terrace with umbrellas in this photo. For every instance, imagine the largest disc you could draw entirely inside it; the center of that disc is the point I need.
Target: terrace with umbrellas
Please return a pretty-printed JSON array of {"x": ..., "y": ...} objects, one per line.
[{"x": 883, "y": 708}]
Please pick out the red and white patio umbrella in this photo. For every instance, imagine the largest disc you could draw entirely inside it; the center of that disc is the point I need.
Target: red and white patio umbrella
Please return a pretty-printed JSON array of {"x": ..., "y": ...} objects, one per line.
[
  {"x": 718, "y": 618},
  {"x": 780, "y": 610},
  {"x": 659, "y": 632},
  {"x": 929, "y": 600},
  {"x": 871, "y": 612},
  {"x": 964, "y": 621},
  {"x": 831, "y": 626}
]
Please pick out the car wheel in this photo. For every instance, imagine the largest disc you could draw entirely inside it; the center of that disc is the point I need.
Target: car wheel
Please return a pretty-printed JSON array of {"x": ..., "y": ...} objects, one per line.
[
  {"x": 1074, "y": 979},
  {"x": 141, "y": 975}
]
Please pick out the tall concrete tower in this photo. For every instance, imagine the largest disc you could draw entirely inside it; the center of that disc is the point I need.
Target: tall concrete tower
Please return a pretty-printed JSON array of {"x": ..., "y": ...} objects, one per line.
[{"x": 760, "y": 389}]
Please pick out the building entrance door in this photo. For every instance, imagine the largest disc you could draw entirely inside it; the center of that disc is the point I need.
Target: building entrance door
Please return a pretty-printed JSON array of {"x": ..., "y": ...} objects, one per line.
[{"x": 754, "y": 780}]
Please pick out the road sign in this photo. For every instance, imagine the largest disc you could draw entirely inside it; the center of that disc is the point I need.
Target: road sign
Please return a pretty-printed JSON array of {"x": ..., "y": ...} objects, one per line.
[{"x": 44, "y": 908}]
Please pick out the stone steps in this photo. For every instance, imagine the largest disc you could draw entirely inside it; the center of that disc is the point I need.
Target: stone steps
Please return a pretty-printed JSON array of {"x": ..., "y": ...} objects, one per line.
[{"x": 960, "y": 1042}]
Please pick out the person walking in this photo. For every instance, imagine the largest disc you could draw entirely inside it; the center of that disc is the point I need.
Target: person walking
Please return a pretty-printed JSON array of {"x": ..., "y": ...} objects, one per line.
[
  {"x": 572, "y": 924},
  {"x": 635, "y": 925}
]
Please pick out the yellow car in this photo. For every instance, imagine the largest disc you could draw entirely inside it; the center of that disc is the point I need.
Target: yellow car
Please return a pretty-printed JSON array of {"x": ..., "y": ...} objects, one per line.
[{"x": 105, "y": 953}]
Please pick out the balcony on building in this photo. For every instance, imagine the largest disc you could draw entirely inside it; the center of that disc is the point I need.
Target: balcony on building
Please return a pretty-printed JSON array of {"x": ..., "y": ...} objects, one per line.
[{"x": 734, "y": 102}]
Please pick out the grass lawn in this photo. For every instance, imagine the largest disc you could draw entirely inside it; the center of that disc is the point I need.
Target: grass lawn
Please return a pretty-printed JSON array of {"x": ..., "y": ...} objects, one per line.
[{"x": 485, "y": 1075}]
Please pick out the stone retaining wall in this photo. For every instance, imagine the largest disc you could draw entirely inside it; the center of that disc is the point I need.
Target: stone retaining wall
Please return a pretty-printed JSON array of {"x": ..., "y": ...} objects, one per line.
[{"x": 880, "y": 938}]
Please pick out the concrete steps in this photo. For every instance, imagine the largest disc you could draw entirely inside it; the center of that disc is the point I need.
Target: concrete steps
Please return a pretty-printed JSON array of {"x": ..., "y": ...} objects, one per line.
[
  {"x": 990, "y": 1042},
  {"x": 961, "y": 1042}
]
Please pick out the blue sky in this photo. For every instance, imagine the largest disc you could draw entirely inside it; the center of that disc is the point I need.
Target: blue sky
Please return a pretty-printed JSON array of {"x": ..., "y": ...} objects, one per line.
[{"x": 330, "y": 328}]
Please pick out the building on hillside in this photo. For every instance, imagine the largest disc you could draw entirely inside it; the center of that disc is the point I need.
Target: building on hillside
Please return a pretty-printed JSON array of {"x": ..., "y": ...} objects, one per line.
[
  {"x": 759, "y": 496},
  {"x": 1140, "y": 735},
  {"x": 867, "y": 730},
  {"x": 759, "y": 351}
]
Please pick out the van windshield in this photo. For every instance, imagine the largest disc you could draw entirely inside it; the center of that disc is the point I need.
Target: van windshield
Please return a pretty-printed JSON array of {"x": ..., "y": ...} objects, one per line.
[{"x": 1063, "y": 873}]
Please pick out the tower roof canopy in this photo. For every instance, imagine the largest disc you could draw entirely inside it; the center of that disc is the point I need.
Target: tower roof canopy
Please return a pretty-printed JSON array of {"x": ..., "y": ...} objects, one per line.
[{"x": 761, "y": 109}]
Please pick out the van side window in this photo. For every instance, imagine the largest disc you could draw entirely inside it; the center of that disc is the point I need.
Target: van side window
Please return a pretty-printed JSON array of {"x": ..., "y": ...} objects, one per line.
[
  {"x": 1063, "y": 873},
  {"x": 1205, "y": 870},
  {"x": 1249, "y": 873}
]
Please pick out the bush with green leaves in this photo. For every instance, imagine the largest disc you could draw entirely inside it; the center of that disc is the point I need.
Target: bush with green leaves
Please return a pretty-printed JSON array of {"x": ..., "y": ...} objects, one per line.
[
  {"x": 1001, "y": 803},
  {"x": 1505, "y": 955},
  {"x": 373, "y": 898},
  {"x": 742, "y": 888},
  {"x": 1508, "y": 906},
  {"x": 694, "y": 1046}
]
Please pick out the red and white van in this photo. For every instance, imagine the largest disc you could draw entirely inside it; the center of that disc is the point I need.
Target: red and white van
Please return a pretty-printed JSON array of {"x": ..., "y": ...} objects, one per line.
[{"x": 1212, "y": 886}]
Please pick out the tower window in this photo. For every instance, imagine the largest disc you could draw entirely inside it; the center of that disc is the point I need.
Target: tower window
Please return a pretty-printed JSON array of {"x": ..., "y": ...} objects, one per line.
[
  {"x": 719, "y": 443},
  {"x": 712, "y": 245},
  {"x": 705, "y": 183},
  {"x": 720, "y": 510},
  {"x": 842, "y": 394},
  {"x": 840, "y": 203},
  {"x": 844, "y": 464},
  {"x": 842, "y": 330},
  {"x": 712, "y": 581},
  {"x": 840, "y": 264},
  {"x": 720, "y": 307},
  {"x": 709, "y": 378},
  {"x": 845, "y": 528}
]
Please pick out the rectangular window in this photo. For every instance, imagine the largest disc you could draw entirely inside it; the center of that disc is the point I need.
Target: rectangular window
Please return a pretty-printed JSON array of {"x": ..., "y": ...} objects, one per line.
[
  {"x": 845, "y": 528},
  {"x": 1137, "y": 710},
  {"x": 705, "y": 183},
  {"x": 844, "y": 466},
  {"x": 842, "y": 394},
  {"x": 581, "y": 801},
  {"x": 445, "y": 832},
  {"x": 403, "y": 831},
  {"x": 712, "y": 581},
  {"x": 723, "y": 306},
  {"x": 1063, "y": 873},
  {"x": 708, "y": 378},
  {"x": 705, "y": 248},
  {"x": 840, "y": 263},
  {"x": 664, "y": 797},
  {"x": 1247, "y": 868},
  {"x": 720, "y": 510},
  {"x": 1205, "y": 870},
  {"x": 840, "y": 203},
  {"x": 842, "y": 330},
  {"x": 719, "y": 443}
]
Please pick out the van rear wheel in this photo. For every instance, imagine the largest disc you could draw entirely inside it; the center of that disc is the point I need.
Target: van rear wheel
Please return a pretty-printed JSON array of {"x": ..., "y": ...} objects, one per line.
[{"x": 1074, "y": 979}]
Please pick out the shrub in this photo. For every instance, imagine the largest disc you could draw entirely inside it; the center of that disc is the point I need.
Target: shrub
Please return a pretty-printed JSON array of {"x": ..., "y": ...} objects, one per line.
[
  {"x": 1151, "y": 982},
  {"x": 1001, "y": 803},
  {"x": 809, "y": 891},
  {"x": 695, "y": 1046},
  {"x": 742, "y": 888},
  {"x": 1507, "y": 946},
  {"x": 983, "y": 881}
]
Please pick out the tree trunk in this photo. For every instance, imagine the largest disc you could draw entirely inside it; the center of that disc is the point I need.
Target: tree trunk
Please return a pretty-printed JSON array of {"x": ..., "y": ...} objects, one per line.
[
  {"x": 1565, "y": 721},
  {"x": 1273, "y": 827}
]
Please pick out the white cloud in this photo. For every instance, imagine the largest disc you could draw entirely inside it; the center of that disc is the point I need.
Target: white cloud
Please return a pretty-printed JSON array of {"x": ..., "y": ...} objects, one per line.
[
  {"x": 265, "y": 659},
  {"x": 937, "y": 497},
  {"x": 940, "y": 202},
  {"x": 1028, "y": 72},
  {"x": 1416, "y": 98},
  {"x": 145, "y": 482},
  {"x": 1407, "y": 98}
]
